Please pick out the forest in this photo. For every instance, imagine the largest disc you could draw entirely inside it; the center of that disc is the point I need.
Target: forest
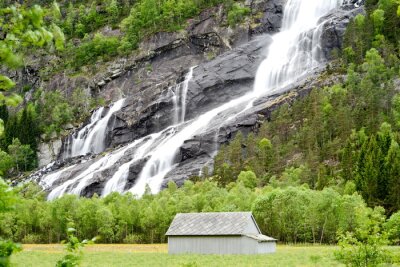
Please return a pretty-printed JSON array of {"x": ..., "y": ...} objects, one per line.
[{"x": 324, "y": 169}]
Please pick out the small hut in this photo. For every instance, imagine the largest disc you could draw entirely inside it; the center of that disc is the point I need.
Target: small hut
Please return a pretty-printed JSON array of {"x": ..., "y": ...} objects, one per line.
[{"x": 217, "y": 233}]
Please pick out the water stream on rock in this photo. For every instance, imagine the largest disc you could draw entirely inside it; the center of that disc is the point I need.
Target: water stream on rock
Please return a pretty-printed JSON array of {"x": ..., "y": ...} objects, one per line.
[
  {"x": 179, "y": 98},
  {"x": 294, "y": 52},
  {"x": 91, "y": 138}
]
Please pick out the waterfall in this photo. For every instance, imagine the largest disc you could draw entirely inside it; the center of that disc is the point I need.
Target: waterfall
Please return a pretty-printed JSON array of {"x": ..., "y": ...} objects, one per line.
[
  {"x": 179, "y": 97},
  {"x": 86, "y": 140},
  {"x": 118, "y": 182},
  {"x": 296, "y": 49},
  {"x": 50, "y": 179},
  {"x": 293, "y": 53},
  {"x": 78, "y": 183}
]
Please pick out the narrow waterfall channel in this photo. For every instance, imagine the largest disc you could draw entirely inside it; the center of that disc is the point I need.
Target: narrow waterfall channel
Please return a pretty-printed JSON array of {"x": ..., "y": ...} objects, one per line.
[{"x": 294, "y": 52}]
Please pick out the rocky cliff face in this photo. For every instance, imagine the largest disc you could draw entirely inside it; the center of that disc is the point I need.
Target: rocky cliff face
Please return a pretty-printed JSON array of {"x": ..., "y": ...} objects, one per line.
[
  {"x": 161, "y": 62},
  {"x": 148, "y": 108}
]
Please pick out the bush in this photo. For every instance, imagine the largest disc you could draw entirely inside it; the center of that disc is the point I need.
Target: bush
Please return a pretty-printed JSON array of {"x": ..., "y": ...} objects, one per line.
[
  {"x": 74, "y": 248},
  {"x": 365, "y": 246},
  {"x": 392, "y": 227},
  {"x": 133, "y": 239},
  {"x": 53, "y": 110},
  {"x": 237, "y": 14},
  {"x": 7, "y": 248},
  {"x": 100, "y": 47},
  {"x": 32, "y": 239}
]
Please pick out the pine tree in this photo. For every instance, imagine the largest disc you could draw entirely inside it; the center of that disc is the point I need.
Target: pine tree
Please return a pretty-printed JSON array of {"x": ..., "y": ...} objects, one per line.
[
  {"x": 392, "y": 162},
  {"x": 4, "y": 113},
  {"x": 28, "y": 129}
]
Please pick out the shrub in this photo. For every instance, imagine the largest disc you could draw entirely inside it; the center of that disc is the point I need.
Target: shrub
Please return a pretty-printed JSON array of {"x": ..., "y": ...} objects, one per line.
[
  {"x": 392, "y": 227},
  {"x": 74, "y": 248},
  {"x": 365, "y": 246},
  {"x": 31, "y": 239},
  {"x": 237, "y": 14},
  {"x": 7, "y": 248},
  {"x": 93, "y": 50},
  {"x": 133, "y": 239}
]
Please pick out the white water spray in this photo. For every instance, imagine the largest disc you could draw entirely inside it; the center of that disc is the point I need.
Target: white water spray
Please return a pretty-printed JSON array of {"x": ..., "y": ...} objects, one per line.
[
  {"x": 91, "y": 138},
  {"x": 296, "y": 49},
  {"x": 118, "y": 182},
  {"x": 179, "y": 99}
]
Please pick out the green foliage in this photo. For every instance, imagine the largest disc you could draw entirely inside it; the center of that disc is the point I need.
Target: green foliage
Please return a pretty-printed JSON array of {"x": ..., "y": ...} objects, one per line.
[
  {"x": 21, "y": 155},
  {"x": 7, "y": 248},
  {"x": 7, "y": 202},
  {"x": 378, "y": 18},
  {"x": 74, "y": 248},
  {"x": 392, "y": 227},
  {"x": 248, "y": 178},
  {"x": 150, "y": 16},
  {"x": 6, "y": 163},
  {"x": 299, "y": 214},
  {"x": 381, "y": 21},
  {"x": 292, "y": 214},
  {"x": 100, "y": 47},
  {"x": 113, "y": 11},
  {"x": 22, "y": 28},
  {"x": 20, "y": 137},
  {"x": 53, "y": 111},
  {"x": 237, "y": 14},
  {"x": 7, "y": 197},
  {"x": 365, "y": 246}
]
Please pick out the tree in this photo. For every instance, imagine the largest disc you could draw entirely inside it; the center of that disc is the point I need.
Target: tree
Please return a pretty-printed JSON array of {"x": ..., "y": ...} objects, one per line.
[
  {"x": 6, "y": 163},
  {"x": 392, "y": 227},
  {"x": 248, "y": 178},
  {"x": 113, "y": 12},
  {"x": 20, "y": 154},
  {"x": 7, "y": 202},
  {"x": 28, "y": 129}
]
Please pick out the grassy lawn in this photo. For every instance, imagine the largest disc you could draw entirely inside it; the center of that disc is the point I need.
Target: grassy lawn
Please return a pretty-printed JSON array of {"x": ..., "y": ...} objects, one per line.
[{"x": 156, "y": 255}]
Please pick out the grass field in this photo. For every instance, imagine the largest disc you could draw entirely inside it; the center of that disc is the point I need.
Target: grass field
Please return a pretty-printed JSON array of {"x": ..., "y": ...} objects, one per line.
[{"x": 156, "y": 255}]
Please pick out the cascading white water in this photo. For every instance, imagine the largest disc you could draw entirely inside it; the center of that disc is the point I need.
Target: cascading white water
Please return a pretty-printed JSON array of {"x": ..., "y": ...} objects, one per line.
[
  {"x": 50, "y": 179},
  {"x": 179, "y": 99},
  {"x": 90, "y": 139},
  {"x": 78, "y": 183},
  {"x": 118, "y": 182},
  {"x": 296, "y": 49},
  {"x": 294, "y": 52},
  {"x": 163, "y": 156}
]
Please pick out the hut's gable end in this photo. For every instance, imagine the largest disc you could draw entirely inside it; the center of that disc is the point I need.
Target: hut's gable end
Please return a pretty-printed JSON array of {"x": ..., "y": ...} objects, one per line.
[{"x": 252, "y": 227}]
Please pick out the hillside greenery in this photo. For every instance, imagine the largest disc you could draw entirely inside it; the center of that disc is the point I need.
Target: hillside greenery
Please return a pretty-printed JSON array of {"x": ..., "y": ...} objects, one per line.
[
  {"x": 82, "y": 23},
  {"x": 344, "y": 135}
]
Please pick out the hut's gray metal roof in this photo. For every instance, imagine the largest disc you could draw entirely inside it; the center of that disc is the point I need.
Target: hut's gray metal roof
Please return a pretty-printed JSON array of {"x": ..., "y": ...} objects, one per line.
[
  {"x": 261, "y": 238},
  {"x": 210, "y": 223}
]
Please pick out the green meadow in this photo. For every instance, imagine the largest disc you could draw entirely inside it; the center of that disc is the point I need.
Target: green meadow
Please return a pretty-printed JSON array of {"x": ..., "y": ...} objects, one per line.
[{"x": 156, "y": 255}]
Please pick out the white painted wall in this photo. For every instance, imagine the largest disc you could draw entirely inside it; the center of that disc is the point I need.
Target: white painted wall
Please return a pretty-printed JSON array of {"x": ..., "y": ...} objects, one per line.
[{"x": 218, "y": 245}]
